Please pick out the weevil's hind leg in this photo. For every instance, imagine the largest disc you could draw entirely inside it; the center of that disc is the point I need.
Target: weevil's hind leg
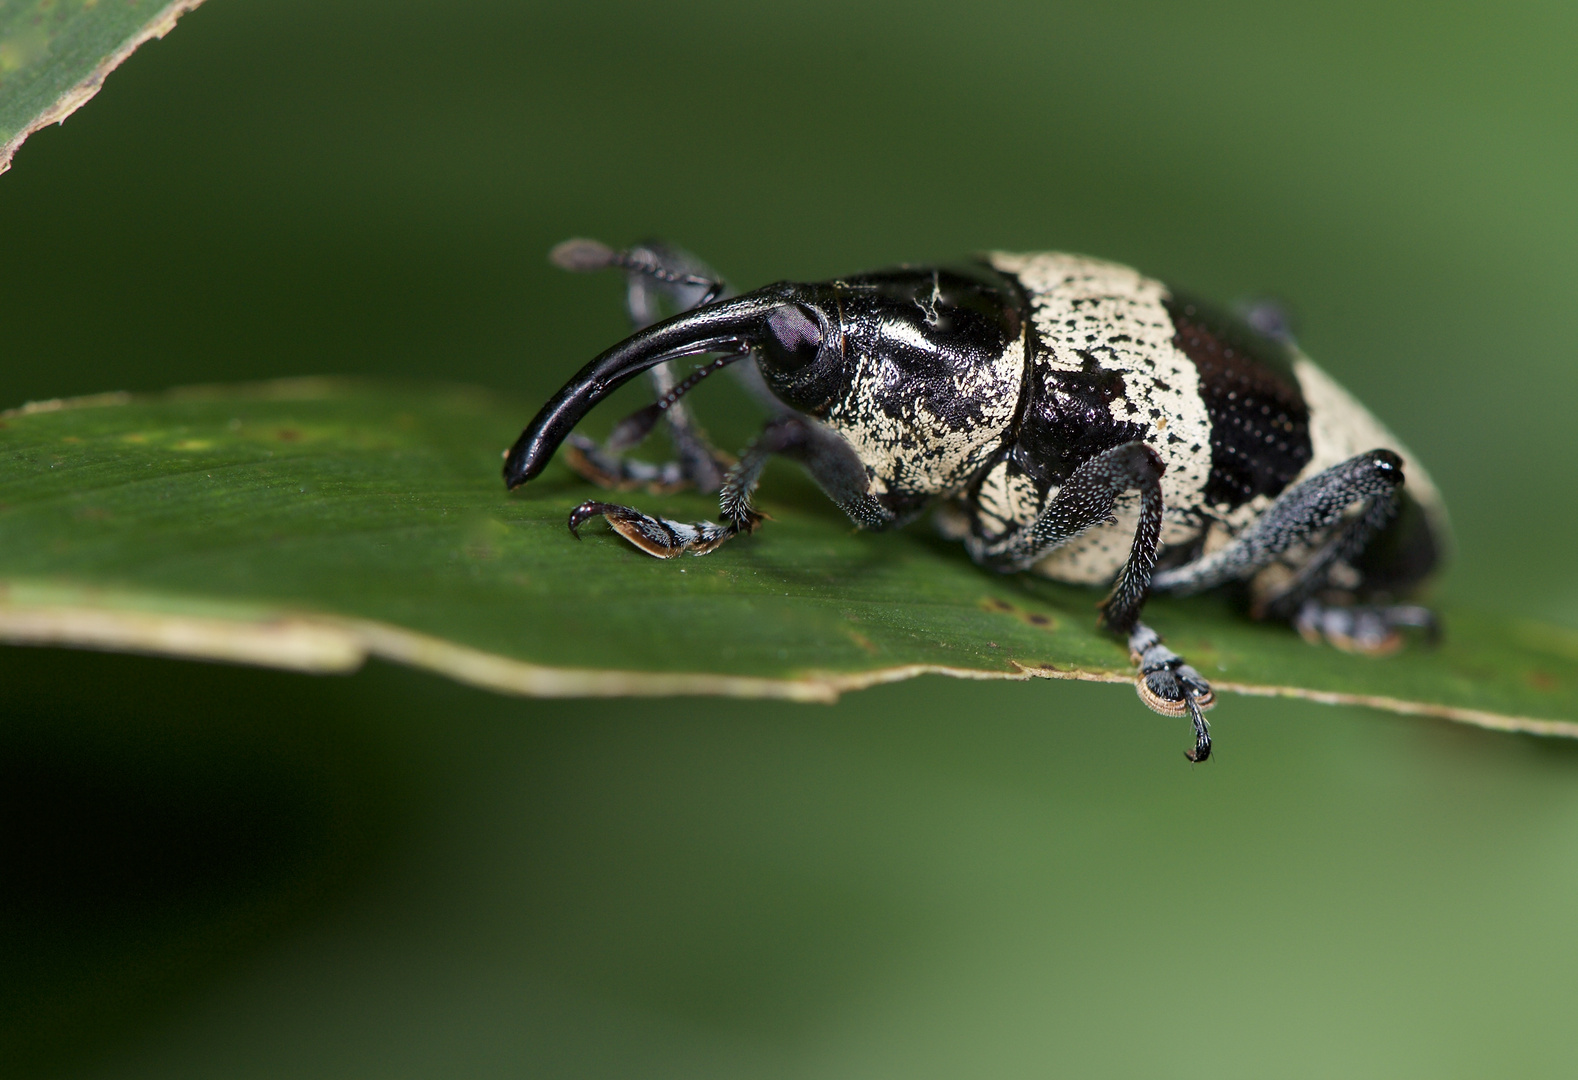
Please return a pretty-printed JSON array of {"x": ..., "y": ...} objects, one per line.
[
  {"x": 1318, "y": 511},
  {"x": 831, "y": 462},
  {"x": 1374, "y": 630},
  {"x": 1302, "y": 515},
  {"x": 659, "y": 280}
]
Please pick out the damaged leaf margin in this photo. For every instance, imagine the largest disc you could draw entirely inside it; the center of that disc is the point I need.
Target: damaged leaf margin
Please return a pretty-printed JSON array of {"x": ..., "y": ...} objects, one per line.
[
  {"x": 317, "y": 644},
  {"x": 30, "y": 67}
]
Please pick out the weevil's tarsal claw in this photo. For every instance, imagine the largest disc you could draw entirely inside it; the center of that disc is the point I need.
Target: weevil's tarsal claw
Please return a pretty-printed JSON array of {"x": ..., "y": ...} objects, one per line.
[
  {"x": 1202, "y": 734},
  {"x": 1171, "y": 687},
  {"x": 658, "y": 537}
]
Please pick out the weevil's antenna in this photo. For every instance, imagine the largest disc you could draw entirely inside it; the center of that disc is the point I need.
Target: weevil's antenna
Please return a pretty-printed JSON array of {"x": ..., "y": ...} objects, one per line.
[
  {"x": 582, "y": 256},
  {"x": 635, "y": 427}
]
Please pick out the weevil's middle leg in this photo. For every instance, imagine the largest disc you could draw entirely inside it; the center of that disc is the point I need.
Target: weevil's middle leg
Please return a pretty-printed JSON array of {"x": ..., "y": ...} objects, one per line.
[
  {"x": 1171, "y": 687},
  {"x": 1084, "y": 500},
  {"x": 655, "y": 275}
]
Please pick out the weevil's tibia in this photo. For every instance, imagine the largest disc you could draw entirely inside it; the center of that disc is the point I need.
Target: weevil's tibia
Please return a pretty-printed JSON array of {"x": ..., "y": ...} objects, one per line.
[
  {"x": 825, "y": 456},
  {"x": 1171, "y": 687},
  {"x": 1300, "y": 515},
  {"x": 1084, "y": 501}
]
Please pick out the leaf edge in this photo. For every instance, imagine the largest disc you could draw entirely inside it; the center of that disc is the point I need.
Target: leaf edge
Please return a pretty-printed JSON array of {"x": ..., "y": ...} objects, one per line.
[
  {"x": 84, "y": 90},
  {"x": 326, "y": 644}
]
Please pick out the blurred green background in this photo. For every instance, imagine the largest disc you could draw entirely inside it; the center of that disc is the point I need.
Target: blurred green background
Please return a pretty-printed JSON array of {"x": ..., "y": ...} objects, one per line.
[{"x": 209, "y": 871}]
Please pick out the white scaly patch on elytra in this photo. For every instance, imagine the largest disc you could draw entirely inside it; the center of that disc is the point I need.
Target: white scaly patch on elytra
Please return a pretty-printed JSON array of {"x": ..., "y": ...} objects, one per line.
[
  {"x": 919, "y": 451},
  {"x": 1341, "y": 428},
  {"x": 1116, "y": 315},
  {"x": 1232, "y": 520},
  {"x": 1007, "y": 499}
]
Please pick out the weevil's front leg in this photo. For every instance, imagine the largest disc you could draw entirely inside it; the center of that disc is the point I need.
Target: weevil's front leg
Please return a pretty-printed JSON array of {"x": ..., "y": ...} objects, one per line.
[
  {"x": 1086, "y": 499},
  {"x": 655, "y": 275},
  {"x": 665, "y": 538},
  {"x": 829, "y": 459},
  {"x": 832, "y": 463}
]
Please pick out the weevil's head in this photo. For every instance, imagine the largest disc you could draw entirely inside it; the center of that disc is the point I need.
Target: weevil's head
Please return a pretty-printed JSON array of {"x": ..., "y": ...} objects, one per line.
[
  {"x": 890, "y": 338},
  {"x": 811, "y": 341}
]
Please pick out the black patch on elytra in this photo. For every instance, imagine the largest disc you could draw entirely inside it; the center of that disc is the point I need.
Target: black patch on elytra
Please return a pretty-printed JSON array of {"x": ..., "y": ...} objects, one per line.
[
  {"x": 1067, "y": 420},
  {"x": 1260, "y": 431}
]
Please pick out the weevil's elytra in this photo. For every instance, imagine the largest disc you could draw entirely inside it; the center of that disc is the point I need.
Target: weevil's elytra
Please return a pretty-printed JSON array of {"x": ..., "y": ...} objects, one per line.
[{"x": 1070, "y": 416}]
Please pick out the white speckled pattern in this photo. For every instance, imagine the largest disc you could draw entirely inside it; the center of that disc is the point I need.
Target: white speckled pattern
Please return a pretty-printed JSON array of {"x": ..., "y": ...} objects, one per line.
[
  {"x": 1007, "y": 499},
  {"x": 919, "y": 451},
  {"x": 1115, "y": 314}
]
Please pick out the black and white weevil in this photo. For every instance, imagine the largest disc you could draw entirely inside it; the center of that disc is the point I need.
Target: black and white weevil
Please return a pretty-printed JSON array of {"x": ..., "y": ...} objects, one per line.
[{"x": 1072, "y": 416}]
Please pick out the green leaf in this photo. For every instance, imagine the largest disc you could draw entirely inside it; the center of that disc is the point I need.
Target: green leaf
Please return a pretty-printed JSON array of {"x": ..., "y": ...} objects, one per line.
[
  {"x": 55, "y": 54},
  {"x": 309, "y": 524}
]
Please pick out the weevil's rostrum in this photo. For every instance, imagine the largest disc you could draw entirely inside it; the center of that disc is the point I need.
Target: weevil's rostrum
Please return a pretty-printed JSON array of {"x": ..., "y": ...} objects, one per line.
[{"x": 1065, "y": 416}]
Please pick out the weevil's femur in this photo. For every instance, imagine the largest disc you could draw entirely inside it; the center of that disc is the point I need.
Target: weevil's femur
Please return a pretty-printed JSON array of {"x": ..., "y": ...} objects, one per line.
[{"x": 730, "y": 327}]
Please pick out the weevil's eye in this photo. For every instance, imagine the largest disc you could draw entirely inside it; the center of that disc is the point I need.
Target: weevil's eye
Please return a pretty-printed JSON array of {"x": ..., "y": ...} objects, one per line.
[{"x": 793, "y": 339}]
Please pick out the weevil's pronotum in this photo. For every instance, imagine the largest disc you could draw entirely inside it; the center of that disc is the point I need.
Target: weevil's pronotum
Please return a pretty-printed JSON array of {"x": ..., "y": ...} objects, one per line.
[{"x": 1069, "y": 416}]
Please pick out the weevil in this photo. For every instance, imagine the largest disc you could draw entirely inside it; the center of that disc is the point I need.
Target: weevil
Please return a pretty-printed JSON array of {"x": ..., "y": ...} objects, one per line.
[{"x": 1065, "y": 415}]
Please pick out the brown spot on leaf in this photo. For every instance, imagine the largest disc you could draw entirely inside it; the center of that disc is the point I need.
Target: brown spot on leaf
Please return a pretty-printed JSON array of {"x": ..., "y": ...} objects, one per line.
[
  {"x": 1542, "y": 680},
  {"x": 1040, "y": 620}
]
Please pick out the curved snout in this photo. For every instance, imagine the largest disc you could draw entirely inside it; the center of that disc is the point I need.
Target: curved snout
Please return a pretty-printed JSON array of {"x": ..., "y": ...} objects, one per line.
[{"x": 728, "y": 326}]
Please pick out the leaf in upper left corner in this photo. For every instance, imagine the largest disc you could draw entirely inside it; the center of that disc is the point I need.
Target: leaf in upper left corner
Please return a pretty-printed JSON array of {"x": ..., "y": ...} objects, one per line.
[{"x": 55, "y": 54}]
